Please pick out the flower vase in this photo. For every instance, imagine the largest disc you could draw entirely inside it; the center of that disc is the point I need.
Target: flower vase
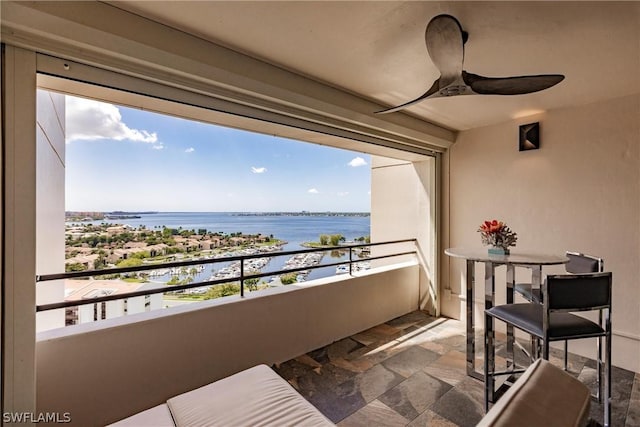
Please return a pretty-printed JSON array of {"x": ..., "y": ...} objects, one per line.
[{"x": 494, "y": 250}]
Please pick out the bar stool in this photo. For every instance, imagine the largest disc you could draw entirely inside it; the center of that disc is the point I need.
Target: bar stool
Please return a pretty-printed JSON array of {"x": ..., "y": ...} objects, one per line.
[
  {"x": 579, "y": 263},
  {"x": 552, "y": 321}
]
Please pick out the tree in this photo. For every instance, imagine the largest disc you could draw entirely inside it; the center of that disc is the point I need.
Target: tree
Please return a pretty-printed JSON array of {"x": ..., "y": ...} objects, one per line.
[
  {"x": 336, "y": 239},
  {"x": 129, "y": 262},
  {"x": 175, "y": 280},
  {"x": 168, "y": 232},
  {"x": 251, "y": 284},
  {"x": 289, "y": 278},
  {"x": 76, "y": 266},
  {"x": 223, "y": 290},
  {"x": 101, "y": 261},
  {"x": 141, "y": 255},
  {"x": 72, "y": 254}
]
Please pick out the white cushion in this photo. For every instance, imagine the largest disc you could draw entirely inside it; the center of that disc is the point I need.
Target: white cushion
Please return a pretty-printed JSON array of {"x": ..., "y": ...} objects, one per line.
[
  {"x": 158, "y": 416},
  {"x": 253, "y": 397},
  {"x": 543, "y": 396}
]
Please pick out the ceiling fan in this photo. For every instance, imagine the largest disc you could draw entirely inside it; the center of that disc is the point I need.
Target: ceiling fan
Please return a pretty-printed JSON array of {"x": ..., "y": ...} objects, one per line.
[{"x": 445, "y": 40}]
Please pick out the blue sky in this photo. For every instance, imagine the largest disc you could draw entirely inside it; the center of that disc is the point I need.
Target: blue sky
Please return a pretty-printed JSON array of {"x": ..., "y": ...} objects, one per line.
[{"x": 118, "y": 158}]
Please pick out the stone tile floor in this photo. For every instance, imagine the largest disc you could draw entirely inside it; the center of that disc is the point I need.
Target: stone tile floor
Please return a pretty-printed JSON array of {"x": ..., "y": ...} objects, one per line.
[{"x": 411, "y": 371}]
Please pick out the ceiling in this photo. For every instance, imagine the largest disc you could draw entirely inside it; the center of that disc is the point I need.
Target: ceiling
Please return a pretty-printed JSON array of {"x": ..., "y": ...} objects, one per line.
[{"x": 376, "y": 49}]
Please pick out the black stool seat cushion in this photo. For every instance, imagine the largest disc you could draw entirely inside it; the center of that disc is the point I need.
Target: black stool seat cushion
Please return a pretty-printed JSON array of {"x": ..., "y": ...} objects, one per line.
[{"x": 528, "y": 317}]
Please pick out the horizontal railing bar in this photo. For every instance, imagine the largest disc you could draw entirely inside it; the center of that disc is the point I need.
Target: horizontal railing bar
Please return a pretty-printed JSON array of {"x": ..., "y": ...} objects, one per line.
[
  {"x": 174, "y": 288},
  {"x": 64, "y": 304},
  {"x": 159, "y": 290},
  {"x": 89, "y": 273}
]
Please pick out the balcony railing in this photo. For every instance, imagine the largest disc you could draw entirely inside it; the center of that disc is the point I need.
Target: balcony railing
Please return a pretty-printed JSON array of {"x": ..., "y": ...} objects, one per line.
[{"x": 241, "y": 277}]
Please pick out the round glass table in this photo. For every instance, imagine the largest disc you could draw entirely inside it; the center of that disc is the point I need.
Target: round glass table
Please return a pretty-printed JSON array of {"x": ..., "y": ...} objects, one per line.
[{"x": 531, "y": 260}]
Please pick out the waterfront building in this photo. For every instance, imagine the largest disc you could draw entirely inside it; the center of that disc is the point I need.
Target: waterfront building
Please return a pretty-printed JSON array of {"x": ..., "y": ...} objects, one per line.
[
  {"x": 87, "y": 261},
  {"x": 76, "y": 290}
]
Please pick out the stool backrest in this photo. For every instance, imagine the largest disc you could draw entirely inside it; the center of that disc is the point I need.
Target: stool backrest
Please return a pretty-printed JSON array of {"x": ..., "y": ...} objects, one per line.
[
  {"x": 577, "y": 292},
  {"x": 581, "y": 263}
]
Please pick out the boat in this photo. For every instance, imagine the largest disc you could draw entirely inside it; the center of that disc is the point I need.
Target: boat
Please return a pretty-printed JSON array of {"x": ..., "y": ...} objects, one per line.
[{"x": 342, "y": 269}]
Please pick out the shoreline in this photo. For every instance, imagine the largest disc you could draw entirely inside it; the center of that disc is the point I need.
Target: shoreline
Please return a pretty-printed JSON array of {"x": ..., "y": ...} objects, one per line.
[{"x": 91, "y": 216}]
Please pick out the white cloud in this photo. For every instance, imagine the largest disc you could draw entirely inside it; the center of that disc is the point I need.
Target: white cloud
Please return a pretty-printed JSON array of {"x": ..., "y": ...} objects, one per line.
[
  {"x": 312, "y": 191},
  {"x": 157, "y": 146},
  {"x": 190, "y": 150},
  {"x": 258, "y": 170},
  {"x": 343, "y": 193},
  {"x": 87, "y": 119},
  {"x": 357, "y": 161}
]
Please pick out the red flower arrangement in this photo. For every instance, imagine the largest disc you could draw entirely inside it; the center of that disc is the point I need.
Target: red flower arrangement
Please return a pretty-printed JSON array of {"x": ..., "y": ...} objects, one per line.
[{"x": 497, "y": 234}]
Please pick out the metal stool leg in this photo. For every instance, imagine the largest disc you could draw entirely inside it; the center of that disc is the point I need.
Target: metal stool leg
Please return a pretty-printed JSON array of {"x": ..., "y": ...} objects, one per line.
[
  {"x": 545, "y": 349},
  {"x": 535, "y": 348},
  {"x": 489, "y": 363},
  {"x": 607, "y": 388},
  {"x": 599, "y": 373},
  {"x": 599, "y": 370},
  {"x": 607, "y": 373}
]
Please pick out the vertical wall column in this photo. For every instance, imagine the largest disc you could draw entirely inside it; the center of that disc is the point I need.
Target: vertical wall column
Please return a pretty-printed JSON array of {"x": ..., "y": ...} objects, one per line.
[
  {"x": 50, "y": 165},
  {"x": 404, "y": 206},
  {"x": 19, "y": 231}
]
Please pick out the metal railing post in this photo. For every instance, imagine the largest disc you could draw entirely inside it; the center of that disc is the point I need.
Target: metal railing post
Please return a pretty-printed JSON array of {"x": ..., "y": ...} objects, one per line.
[
  {"x": 241, "y": 277},
  {"x": 350, "y": 261}
]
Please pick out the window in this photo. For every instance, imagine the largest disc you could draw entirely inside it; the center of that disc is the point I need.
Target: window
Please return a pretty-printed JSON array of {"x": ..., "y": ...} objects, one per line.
[{"x": 108, "y": 162}]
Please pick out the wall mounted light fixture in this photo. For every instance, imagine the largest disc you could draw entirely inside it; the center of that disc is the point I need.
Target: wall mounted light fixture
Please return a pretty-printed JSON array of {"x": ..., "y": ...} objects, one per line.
[{"x": 530, "y": 136}]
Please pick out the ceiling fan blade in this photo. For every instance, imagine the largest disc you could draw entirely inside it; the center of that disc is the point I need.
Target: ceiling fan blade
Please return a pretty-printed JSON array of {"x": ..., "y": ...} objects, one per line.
[
  {"x": 445, "y": 44},
  {"x": 434, "y": 89},
  {"x": 510, "y": 85}
]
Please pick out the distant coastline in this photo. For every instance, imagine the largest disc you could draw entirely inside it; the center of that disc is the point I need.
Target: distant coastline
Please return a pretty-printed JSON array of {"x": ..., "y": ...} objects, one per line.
[
  {"x": 84, "y": 216},
  {"x": 131, "y": 213},
  {"x": 81, "y": 216},
  {"x": 302, "y": 213},
  {"x": 121, "y": 216}
]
